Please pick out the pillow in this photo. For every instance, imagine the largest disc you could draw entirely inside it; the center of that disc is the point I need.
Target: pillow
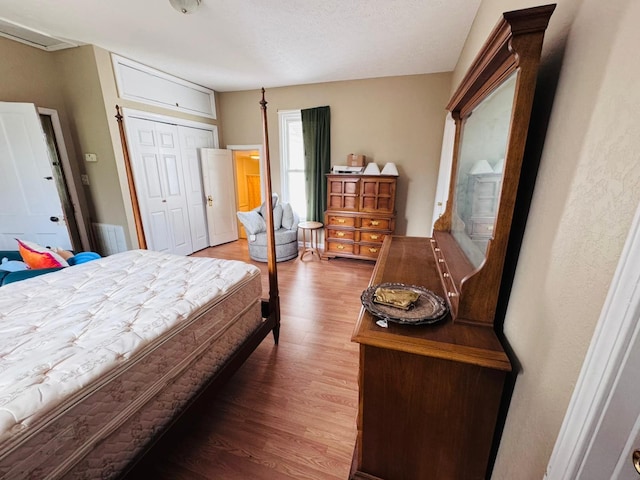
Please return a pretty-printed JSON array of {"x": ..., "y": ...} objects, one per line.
[
  {"x": 287, "y": 216},
  {"x": 37, "y": 256},
  {"x": 277, "y": 217},
  {"x": 263, "y": 207},
  {"x": 12, "y": 265},
  {"x": 252, "y": 222}
]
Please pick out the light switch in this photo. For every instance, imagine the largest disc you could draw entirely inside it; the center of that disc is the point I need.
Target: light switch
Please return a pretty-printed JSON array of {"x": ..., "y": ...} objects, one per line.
[
  {"x": 85, "y": 179},
  {"x": 90, "y": 157}
]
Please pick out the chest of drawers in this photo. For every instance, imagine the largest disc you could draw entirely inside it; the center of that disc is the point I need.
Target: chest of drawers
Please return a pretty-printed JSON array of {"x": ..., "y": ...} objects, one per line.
[{"x": 360, "y": 214}]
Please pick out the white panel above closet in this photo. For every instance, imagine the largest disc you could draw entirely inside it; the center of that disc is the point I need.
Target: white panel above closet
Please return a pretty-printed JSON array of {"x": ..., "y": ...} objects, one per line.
[{"x": 146, "y": 85}]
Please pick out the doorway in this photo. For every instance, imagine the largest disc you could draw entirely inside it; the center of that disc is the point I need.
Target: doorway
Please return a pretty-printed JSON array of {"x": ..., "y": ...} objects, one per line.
[
  {"x": 56, "y": 153},
  {"x": 246, "y": 161}
]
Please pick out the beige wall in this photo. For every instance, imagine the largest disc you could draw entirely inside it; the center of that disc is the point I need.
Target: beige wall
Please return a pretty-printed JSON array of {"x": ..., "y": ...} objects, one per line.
[
  {"x": 586, "y": 193},
  {"x": 394, "y": 119},
  {"x": 88, "y": 118}
]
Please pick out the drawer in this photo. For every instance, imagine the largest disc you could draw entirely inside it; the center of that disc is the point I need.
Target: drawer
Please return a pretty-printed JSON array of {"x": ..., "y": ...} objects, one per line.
[
  {"x": 339, "y": 247},
  {"x": 486, "y": 189},
  {"x": 340, "y": 234},
  {"x": 483, "y": 206},
  {"x": 374, "y": 237},
  {"x": 341, "y": 221},
  {"x": 377, "y": 223},
  {"x": 370, "y": 251}
]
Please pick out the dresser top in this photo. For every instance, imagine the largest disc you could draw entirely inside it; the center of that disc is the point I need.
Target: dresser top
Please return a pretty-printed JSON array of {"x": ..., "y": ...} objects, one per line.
[{"x": 409, "y": 260}]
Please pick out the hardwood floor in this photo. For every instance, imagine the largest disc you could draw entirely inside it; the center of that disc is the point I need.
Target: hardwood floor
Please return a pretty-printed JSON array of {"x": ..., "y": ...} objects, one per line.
[{"x": 290, "y": 411}]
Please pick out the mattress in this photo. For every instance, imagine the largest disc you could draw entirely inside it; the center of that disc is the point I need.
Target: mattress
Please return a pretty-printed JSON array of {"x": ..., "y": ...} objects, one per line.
[{"x": 95, "y": 359}]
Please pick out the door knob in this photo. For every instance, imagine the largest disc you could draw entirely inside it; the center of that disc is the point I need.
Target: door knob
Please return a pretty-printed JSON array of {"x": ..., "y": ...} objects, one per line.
[
  {"x": 210, "y": 200},
  {"x": 635, "y": 458}
]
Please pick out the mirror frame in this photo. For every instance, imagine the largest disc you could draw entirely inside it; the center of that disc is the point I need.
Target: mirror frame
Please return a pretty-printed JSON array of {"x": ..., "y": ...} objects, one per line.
[{"x": 514, "y": 45}]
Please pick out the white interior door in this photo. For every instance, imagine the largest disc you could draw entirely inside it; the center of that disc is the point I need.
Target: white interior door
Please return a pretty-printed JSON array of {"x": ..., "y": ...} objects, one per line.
[
  {"x": 30, "y": 206},
  {"x": 160, "y": 185},
  {"x": 601, "y": 429},
  {"x": 219, "y": 189},
  {"x": 191, "y": 141}
]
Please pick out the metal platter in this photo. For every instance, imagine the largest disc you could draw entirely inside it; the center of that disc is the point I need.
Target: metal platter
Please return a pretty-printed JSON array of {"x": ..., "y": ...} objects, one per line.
[{"x": 428, "y": 308}]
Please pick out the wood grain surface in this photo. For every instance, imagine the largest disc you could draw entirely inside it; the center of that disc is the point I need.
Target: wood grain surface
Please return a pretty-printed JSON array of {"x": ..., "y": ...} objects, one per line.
[{"x": 290, "y": 411}]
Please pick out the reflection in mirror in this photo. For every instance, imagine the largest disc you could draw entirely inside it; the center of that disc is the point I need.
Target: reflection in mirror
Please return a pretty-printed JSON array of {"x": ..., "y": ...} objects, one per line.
[{"x": 479, "y": 173}]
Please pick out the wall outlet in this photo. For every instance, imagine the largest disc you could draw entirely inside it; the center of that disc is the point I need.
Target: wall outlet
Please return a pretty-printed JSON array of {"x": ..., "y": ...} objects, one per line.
[
  {"x": 90, "y": 157},
  {"x": 85, "y": 179}
]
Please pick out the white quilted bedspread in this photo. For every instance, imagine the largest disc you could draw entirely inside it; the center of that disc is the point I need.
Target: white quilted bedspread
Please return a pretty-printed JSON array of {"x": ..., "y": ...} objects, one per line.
[{"x": 70, "y": 330}]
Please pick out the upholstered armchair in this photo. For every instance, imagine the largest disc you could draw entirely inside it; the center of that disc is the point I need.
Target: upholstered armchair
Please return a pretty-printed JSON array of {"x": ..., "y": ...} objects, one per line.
[{"x": 285, "y": 224}]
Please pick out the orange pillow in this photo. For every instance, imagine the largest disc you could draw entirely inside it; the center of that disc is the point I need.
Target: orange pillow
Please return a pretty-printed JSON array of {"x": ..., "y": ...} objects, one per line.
[{"x": 37, "y": 256}]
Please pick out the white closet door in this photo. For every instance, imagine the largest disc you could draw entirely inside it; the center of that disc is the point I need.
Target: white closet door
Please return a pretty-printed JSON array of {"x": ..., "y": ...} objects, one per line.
[
  {"x": 219, "y": 187},
  {"x": 159, "y": 178},
  {"x": 191, "y": 141}
]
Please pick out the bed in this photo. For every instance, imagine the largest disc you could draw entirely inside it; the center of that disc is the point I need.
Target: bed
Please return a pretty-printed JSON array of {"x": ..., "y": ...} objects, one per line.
[{"x": 98, "y": 360}]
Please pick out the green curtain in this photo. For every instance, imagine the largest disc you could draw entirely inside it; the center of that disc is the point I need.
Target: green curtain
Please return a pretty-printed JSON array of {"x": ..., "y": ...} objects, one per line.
[{"x": 316, "y": 135}]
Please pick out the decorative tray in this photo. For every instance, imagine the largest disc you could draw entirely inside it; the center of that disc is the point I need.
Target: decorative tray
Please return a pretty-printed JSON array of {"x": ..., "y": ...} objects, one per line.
[{"x": 427, "y": 308}]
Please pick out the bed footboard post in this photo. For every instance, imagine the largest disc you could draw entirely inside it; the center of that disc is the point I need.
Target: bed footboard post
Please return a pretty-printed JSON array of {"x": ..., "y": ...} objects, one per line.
[{"x": 274, "y": 298}]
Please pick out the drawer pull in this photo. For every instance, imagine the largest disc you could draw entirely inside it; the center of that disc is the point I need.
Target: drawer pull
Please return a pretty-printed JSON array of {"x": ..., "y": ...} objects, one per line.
[
  {"x": 373, "y": 250},
  {"x": 375, "y": 223},
  {"x": 341, "y": 220},
  {"x": 340, "y": 234},
  {"x": 340, "y": 247},
  {"x": 374, "y": 237}
]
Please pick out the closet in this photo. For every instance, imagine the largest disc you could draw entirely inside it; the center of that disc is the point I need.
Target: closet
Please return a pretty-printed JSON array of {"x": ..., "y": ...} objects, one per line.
[{"x": 167, "y": 172}]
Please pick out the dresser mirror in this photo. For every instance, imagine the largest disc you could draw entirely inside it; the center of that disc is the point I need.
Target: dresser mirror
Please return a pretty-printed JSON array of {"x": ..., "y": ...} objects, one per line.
[
  {"x": 480, "y": 167},
  {"x": 491, "y": 110}
]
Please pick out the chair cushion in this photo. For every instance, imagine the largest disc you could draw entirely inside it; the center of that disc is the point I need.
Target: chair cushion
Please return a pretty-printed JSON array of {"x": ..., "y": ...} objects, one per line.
[
  {"x": 277, "y": 217},
  {"x": 263, "y": 207},
  {"x": 287, "y": 216},
  {"x": 252, "y": 222}
]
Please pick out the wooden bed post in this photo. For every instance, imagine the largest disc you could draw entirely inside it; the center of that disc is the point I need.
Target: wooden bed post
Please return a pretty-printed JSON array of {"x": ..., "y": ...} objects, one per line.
[
  {"x": 274, "y": 298},
  {"x": 137, "y": 217}
]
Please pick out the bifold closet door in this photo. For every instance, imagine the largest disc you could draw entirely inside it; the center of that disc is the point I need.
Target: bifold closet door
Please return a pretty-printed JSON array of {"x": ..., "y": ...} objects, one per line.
[{"x": 159, "y": 177}]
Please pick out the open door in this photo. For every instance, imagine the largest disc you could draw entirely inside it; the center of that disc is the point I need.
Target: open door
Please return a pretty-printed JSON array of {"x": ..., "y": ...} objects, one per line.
[
  {"x": 218, "y": 181},
  {"x": 30, "y": 206}
]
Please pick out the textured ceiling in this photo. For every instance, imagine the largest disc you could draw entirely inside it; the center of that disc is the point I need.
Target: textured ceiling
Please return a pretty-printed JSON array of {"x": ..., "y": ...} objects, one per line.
[{"x": 230, "y": 45}]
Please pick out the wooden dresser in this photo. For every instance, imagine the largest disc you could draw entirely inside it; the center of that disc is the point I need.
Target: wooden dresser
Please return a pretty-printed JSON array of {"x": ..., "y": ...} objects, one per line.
[
  {"x": 360, "y": 214},
  {"x": 430, "y": 395}
]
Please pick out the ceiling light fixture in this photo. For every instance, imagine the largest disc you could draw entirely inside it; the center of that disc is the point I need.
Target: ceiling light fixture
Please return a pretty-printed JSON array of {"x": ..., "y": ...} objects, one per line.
[{"x": 185, "y": 6}]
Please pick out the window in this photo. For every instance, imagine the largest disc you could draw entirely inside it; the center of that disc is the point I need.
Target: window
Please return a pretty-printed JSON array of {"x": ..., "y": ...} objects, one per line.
[{"x": 292, "y": 161}]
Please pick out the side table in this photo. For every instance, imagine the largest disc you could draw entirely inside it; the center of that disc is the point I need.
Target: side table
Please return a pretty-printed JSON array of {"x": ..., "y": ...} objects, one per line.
[{"x": 313, "y": 228}]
